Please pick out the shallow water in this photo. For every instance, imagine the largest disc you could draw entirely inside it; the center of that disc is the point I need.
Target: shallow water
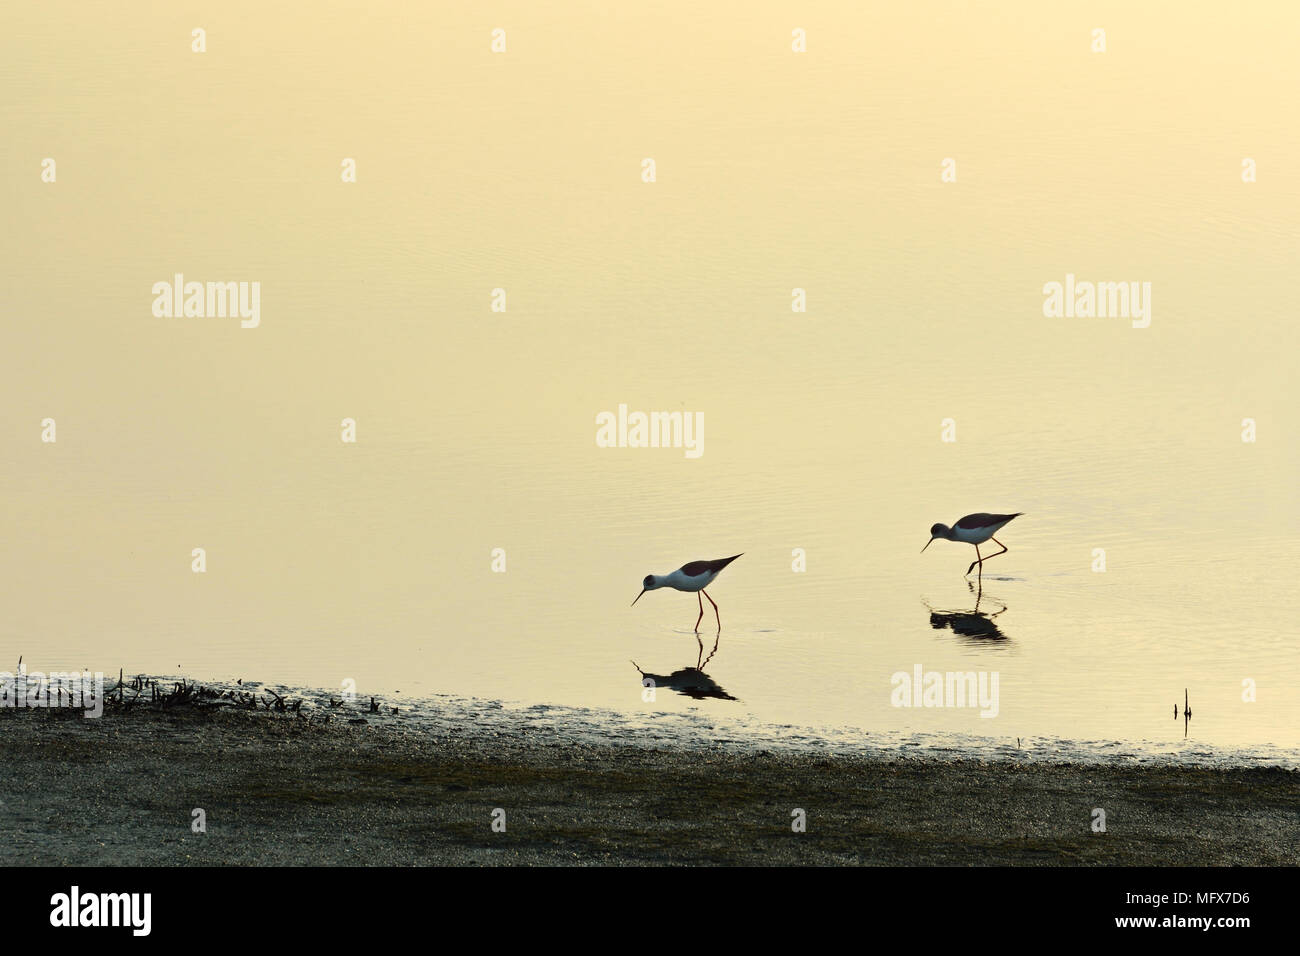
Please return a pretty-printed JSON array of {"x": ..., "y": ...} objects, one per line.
[
  {"x": 371, "y": 563},
  {"x": 658, "y": 728}
]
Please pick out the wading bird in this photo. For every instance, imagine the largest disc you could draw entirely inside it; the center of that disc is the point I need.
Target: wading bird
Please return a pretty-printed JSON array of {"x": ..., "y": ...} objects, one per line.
[
  {"x": 974, "y": 529},
  {"x": 695, "y": 576}
]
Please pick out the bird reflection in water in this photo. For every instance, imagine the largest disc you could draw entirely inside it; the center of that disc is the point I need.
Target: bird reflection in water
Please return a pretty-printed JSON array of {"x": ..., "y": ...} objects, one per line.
[
  {"x": 689, "y": 681},
  {"x": 973, "y": 625}
]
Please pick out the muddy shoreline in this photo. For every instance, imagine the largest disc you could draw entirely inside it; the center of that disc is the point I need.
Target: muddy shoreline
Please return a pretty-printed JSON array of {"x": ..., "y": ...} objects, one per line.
[{"x": 278, "y": 789}]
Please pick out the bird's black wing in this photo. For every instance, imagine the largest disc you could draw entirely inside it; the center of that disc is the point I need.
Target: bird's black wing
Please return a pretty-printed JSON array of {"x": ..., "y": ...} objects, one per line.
[
  {"x": 696, "y": 568},
  {"x": 983, "y": 520}
]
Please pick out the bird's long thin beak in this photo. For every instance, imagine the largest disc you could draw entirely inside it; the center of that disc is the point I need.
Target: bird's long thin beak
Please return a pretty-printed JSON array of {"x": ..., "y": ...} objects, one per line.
[
  {"x": 638, "y": 597},
  {"x": 927, "y": 544}
]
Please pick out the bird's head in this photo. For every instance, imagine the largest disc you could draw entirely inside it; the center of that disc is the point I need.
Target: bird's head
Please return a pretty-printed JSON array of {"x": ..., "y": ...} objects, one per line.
[
  {"x": 936, "y": 531},
  {"x": 649, "y": 584}
]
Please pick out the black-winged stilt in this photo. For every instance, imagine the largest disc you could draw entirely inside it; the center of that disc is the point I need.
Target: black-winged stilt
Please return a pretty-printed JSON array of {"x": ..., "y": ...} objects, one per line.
[
  {"x": 695, "y": 576},
  {"x": 974, "y": 529}
]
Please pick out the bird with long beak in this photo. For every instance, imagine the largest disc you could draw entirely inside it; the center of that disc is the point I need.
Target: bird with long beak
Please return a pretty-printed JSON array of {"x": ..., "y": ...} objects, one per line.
[
  {"x": 974, "y": 529},
  {"x": 695, "y": 576}
]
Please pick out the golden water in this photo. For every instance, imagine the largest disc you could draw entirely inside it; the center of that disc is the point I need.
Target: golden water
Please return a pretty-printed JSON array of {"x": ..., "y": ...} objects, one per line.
[{"x": 476, "y": 430}]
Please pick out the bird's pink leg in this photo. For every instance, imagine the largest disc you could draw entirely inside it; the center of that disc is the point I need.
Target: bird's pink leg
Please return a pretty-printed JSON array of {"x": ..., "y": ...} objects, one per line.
[
  {"x": 701, "y": 617},
  {"x": 978, "y": 560},
  {"x": 1004, "y": 550},
  {"x": 715, "y": 609}
]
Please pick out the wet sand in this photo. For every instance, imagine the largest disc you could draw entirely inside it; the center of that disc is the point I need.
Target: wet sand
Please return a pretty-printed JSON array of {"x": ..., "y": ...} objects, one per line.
[{"x": 277, "y": 789}]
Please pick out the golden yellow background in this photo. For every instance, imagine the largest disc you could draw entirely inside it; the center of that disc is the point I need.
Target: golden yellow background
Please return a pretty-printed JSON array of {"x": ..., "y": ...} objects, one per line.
[{"x": 776, "y": 170}]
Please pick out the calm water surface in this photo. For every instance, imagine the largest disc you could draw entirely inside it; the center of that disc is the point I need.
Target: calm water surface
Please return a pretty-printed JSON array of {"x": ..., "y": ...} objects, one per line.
[{"x": 371, "y": 562}]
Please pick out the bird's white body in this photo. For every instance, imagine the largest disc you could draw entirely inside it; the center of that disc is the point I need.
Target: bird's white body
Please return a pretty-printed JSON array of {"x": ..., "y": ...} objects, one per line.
[
  {"x": 678, "y": 580},
  {"x": 977, "y": 535}
]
